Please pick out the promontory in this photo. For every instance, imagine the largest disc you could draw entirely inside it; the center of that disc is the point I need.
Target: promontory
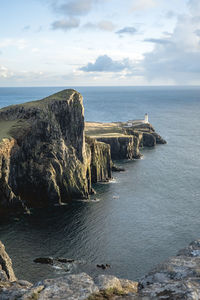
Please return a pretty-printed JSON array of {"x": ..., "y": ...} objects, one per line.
[{"x": 49, "y": 155}]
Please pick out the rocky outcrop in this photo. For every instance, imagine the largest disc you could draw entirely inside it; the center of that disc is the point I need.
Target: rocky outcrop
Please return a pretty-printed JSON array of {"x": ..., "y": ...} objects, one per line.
[
  {"x": 7, "y": 197},
  {"x": 122, "y": 147},
  {"x": 148, "y": 139},
  {"x": 178, "y": 278},
  {"x": 125, "y": 142},
  {"x": 43, "y": 156},
  {"x": 6, "y": 270},
  {"x": 100, "y": 163},
  {"x": 147, "y": 134}
]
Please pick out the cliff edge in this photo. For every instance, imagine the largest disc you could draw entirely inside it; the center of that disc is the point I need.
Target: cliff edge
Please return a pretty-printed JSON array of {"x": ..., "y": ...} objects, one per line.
[{"x": 44, "y": 159}]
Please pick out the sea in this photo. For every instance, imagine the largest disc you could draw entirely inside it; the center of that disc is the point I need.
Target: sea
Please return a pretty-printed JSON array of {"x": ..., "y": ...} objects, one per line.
[{"x": 143, "y": 216}]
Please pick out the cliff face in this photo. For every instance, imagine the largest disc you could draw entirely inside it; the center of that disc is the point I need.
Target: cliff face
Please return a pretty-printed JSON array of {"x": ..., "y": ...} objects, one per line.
[
  {"x": 101, "y": 163},
  {"x": 44, "y": 159},
  {"x": 7, "y": 197},
  {"x": 125, "y": 142},
  {"x": 122, "y": 147}
]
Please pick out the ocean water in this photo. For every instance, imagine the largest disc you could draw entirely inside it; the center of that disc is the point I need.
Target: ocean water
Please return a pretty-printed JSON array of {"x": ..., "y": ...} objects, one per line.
[{"x": 139, "y": 219}]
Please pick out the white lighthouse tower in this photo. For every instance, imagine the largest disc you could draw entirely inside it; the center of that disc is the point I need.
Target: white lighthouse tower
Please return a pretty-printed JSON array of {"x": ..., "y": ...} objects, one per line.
[{"x": 146, "y": 118}]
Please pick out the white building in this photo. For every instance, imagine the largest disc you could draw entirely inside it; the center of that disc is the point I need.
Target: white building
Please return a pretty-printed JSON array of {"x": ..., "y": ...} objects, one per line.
[
  {"x": 131, "y": 123},
  {"x": 146, "y": 118}
]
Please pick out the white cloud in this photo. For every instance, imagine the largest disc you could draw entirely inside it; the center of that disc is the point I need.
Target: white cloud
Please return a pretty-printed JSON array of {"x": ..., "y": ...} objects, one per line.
[
  {"x": 102, "y": 25},
  {"x": 106, "y": 25},
  {"x": 194, "y": 6},
  {"x": 178, "y": 56},
  {"x": 20, "y": 44},
  {"x": 35, "y": 50},
  {"x": 5, "y": 73},
  {"x": 143, "y": 4}
]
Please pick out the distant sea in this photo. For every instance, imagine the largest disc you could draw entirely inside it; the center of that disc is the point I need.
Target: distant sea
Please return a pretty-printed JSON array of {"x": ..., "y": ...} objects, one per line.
[{"x": 144, "y": 215}]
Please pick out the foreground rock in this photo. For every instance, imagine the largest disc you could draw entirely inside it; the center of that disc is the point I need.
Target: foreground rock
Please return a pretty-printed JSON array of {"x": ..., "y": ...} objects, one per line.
[
  {"x": 44, "y": 159},
  {"x": 176, "y": 279},
  {"x": 71, "y": 287}
]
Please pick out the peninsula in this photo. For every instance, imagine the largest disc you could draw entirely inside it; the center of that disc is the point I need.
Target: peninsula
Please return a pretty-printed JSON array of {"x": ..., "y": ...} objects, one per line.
[{"x": 49, "y": 155}]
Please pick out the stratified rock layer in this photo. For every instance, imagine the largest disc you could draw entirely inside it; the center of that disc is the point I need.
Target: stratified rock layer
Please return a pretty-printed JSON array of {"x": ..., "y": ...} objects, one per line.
[
  {"x": 122, "y": 147},
  {"x": 100, "y": 163},
  {"x": 125, "y": 142}
]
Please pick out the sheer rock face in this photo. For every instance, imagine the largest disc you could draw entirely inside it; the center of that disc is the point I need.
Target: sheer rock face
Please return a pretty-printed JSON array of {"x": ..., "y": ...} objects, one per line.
[
  {"x": 7, "y": 197},
  {"x": 101, "y": 163},
  {"x": 6, "y": 270},
  {"x": 44, "y": 159},
  {"x": 146, "y": 135},
  {"x": 126, "y": 147}
]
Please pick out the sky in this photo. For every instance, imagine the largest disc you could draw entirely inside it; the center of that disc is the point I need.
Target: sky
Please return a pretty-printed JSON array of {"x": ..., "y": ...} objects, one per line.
[{"x": 99, "y": 42}]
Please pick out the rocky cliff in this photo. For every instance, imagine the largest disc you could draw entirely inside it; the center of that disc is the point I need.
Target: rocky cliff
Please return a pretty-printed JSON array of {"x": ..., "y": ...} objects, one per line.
[
  {"x": 43, "y": 156},
  {"x": 178, "y": 278},
  {"x": 125, "y": 142}
]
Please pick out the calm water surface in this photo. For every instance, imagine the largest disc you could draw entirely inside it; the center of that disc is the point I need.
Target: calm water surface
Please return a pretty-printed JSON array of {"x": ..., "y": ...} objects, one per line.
[{"x": 144, "y": 215}]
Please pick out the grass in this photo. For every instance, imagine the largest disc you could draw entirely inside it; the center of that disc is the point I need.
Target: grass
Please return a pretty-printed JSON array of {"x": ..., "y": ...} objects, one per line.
[
  {"x": 5, "y": 127},
  {"x": 10, "y": 129},
  {"x": 108, "y": 294},
  {"x": 95, "y": 130},
  {"x": 60, "y": 96}
]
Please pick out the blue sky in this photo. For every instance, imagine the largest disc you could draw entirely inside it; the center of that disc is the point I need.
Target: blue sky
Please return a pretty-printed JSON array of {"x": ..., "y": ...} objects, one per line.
[{"x": 99, "y": 42}]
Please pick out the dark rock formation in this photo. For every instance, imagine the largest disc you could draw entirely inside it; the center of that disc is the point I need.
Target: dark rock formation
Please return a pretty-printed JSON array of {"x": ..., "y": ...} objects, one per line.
[
  {"x": 51, "y": 261},
  {"x": 117, "y": 169},
  {"x": 100, "y": 163},
  {"x": 43, "y": 156},
  {"x": 6, "y": 270},
  {"x": 122, "y": 147},
  {"x": 44, "y": 260},
  {"x": 146, "y": 134},
  {"x": 125, "y": 141},
  {"x": 148, "y": 140}
]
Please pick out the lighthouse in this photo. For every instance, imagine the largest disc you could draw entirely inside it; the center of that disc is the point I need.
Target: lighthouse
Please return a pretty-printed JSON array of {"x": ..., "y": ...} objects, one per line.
[{"x": 146, "y": 118}]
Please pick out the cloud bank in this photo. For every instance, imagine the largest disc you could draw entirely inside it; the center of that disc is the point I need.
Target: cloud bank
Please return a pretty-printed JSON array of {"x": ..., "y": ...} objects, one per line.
[
  {"x": 178, "y": 57},
  {"x": 105, "y": 63}
]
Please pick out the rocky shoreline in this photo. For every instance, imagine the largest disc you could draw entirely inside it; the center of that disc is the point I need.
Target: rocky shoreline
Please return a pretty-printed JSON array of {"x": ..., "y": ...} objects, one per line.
[
  {"x": 178, "y": 278},
  {"x": 47, "y": 148}
]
